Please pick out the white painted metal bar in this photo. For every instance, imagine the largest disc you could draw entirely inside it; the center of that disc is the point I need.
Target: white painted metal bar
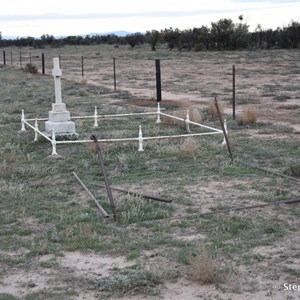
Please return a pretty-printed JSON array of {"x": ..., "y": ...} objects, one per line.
[
  {"x": 38, "y": 119},
  {"x": 104, "y": 140},
  {"x": 137, "y": 138},
  {"x": 37, "y": 130},
  {"x": 179, "y": 135},
  {"x": 100, "y": 116},
  {"x": 205, "y": 126},
  {"x": 191, "y": 122},
  {"x": 116, "y": 115}
]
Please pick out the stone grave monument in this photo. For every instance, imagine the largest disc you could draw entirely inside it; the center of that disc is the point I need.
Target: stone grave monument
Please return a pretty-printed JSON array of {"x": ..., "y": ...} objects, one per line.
[{"x": 59, "y": 117}]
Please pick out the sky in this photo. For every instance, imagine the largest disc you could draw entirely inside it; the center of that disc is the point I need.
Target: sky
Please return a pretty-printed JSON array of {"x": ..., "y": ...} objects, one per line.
[{"x": 75, "y": 17}]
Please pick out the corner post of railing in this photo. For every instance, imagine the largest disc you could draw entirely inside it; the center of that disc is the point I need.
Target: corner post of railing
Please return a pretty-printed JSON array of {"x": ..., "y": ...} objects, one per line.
[
  {"x": 226, "y": 130},
  {"x": 53, "y": 142},
  {"x": 187, "y": 121},
  {"x": 95, "y": 117},
  {"x": 141, "y": 149},
  {"x": 36, "y": 128},
  {"x": 158, "y": 113},
  {"x": 23, "y": 121}
]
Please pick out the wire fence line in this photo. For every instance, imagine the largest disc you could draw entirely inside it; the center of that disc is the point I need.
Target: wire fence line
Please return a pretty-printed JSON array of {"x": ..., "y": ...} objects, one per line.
[{"x": 247, "y": 76}]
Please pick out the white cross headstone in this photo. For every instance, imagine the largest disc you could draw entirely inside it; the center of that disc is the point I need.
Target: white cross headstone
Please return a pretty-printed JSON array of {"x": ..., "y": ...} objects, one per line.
[
  {"x": 59, "y": 117},
  {"x": 57, "y": 73}
]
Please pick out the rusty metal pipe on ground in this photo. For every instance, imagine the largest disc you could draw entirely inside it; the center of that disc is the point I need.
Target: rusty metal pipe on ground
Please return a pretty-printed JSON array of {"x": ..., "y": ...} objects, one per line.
[
  {"x": 100, "y": 208},
  {"x": 155, "y": 198}
]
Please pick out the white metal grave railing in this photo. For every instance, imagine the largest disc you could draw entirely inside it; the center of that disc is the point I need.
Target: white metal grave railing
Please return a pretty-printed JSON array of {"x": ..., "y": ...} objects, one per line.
[{"x": 140, "y": 137}]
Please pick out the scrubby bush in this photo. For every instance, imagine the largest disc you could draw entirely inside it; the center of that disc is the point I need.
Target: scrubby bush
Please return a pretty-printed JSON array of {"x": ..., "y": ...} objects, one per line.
[{"x": 31, "y": 68}]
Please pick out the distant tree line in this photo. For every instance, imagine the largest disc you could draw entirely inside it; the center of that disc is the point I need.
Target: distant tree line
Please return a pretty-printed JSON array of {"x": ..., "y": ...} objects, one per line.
[{"x": 221, "y": 35}]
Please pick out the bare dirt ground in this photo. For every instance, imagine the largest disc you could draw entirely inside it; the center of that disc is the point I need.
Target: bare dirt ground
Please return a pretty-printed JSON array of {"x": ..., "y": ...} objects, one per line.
[{"x": 267, "y": 79}]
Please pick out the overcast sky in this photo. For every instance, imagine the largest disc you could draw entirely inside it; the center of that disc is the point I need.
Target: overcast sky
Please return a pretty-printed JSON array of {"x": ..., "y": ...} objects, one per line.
[{"x": 74, "y": 17}]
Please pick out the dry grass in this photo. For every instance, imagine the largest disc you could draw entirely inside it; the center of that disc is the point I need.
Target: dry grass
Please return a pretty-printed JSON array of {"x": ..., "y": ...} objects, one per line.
[
  {"x": 250, "y": 114},
  {"x": 202, "y": 267},
  {"x": 91, "y": 147},
  {"x": 83, "y": 81},
  {"x": 212, "y": 109},
  {"x": 189, "y": 148},
  {"x": 194, "y": 115}
]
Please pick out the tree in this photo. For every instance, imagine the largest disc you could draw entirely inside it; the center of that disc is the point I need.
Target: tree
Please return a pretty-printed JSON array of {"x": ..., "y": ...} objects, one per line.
[
  {"x": 201, "y": 38},
  {"x": 293, "y": 34},
  {"x": 153, "y": 38},
  {"x": 240, "y": 36},
  {"x": 171, "y": 37},
  {"x": 222, "y": 32},
  {"x": 134, "y": 39},
  {"x": 186, "y": 40},
  {"x": 47, "y": 39}
]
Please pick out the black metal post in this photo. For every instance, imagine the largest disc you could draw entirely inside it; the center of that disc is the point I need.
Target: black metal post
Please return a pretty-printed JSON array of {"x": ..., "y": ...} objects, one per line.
[
  {"x": 158, "y": 80},
  {"x": 43, "y": 63},
  {"x": 20, "y": 59},
  {"x": 233, "y": 92},
  {"x": 115, "y": 77},
  {"x": 4, "y": 58},
  {"x": 82, "y": 70}
]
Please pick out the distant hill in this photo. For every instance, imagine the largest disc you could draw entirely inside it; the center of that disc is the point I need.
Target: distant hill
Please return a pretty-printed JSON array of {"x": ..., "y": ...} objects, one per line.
[{"x": 117, "y": 33}]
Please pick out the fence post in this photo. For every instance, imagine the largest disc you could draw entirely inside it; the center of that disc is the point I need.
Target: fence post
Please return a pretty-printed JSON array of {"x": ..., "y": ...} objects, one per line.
[
  {"x": 43, "y": 63},
  {"x": 141, "y": 149},
  {"x": 4, "y": 58},
  {"x": 115, "y": 77},
  {"x": 82, "y": 70},
  {"x": 233, "y": 92},
  {"x": 20, "y": 59},
  {"x": 158, "y": 80},
  {"x": 30, "y": 57},
  {"x": 11, "y": 57}
]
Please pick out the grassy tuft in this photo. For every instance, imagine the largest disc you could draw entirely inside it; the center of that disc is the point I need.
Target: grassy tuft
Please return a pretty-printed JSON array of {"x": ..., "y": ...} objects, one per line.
[
  {"x": 212, "y": 109},
  {"x": 189, "y": 148},
  {"x": 136, "y": 209},
  {"x": 129, "y": 282},
  {"x": 250, "y": 114},
  {"x": 202, "y": 267}
]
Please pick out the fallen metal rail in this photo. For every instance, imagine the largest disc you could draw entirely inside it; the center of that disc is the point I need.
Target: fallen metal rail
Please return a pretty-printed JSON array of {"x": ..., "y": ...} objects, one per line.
[
  {"x": 100, "y": 208},
  {"x": 155, "y": 198}
]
